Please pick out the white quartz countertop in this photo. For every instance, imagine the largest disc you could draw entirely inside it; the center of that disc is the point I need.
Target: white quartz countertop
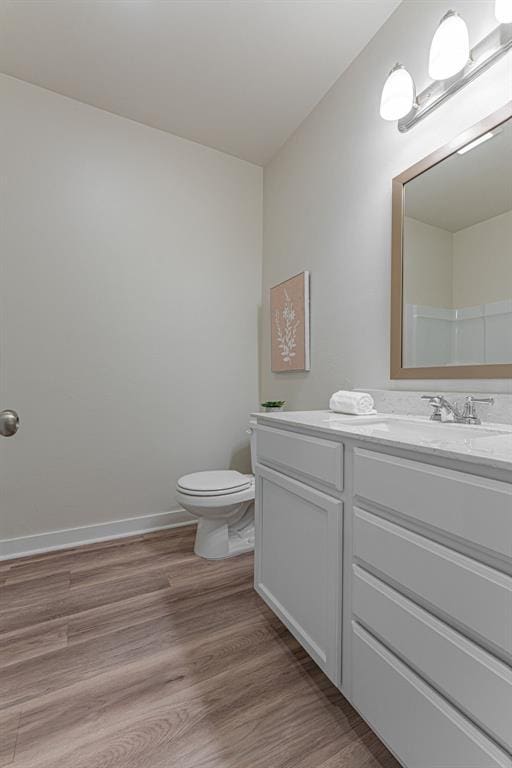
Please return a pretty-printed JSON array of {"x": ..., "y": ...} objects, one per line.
[{"x": 488, "y": 445}]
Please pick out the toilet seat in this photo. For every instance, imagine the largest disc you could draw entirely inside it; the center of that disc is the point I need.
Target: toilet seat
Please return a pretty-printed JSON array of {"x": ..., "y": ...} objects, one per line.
[
  {"x": 214, "y": 504},
  {"x": 214, "y": 483}
]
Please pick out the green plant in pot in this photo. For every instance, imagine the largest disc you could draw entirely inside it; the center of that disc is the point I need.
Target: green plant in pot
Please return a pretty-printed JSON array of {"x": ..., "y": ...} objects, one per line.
[{"x": 273, "y": 405}]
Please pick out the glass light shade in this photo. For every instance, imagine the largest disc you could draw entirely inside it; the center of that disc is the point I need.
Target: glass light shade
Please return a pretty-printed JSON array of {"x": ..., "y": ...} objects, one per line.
[
  {"x": 398, "y": 94},
  {"x": 503, "y": 11},
  {"x": 449, "y": 50}
]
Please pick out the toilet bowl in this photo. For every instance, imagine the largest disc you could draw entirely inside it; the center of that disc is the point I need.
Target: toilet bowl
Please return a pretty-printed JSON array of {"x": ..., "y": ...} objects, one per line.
[{"x": 223, "y": 502}]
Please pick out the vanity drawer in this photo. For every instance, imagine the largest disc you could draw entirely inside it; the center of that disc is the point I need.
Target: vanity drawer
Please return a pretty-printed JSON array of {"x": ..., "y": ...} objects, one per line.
[
  {"x": 418, "y": 725},
  {"x": 310, "y": 457},
  {"x": 457, "y": 587},
  {"x": 475, "y": 509},
  {"x": 474, "y": 680}
]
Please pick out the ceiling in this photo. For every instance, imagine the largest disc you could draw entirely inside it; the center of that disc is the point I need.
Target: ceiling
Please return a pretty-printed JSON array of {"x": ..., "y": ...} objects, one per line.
[
  {"x": 238, "y": 75},
  {"x": 465, "y": 189}
]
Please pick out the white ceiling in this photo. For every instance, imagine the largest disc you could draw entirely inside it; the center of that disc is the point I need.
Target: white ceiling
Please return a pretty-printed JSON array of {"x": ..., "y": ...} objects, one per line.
[
  {"x": 465, "y": 189},
  {"x": 238, "y": 75}
]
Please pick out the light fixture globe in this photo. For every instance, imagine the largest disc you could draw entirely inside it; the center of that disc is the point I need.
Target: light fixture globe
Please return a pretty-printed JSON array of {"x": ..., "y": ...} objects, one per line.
[
  {"x": 398, "y": 94},
  {"x": 503, "y": 11},
  {"x": 449, "y": 50}
]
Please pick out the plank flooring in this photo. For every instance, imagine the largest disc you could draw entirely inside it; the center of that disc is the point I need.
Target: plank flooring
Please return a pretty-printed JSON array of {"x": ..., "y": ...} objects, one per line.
[{"x": 138, "y": 654}]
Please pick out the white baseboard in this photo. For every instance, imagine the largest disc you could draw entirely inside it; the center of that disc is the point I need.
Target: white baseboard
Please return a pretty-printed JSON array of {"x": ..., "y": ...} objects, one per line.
[{"x": 90, "y": 534}]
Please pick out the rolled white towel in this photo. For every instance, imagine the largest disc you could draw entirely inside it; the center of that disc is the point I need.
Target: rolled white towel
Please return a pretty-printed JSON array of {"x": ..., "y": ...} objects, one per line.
[{"x": 355, "y": 403}]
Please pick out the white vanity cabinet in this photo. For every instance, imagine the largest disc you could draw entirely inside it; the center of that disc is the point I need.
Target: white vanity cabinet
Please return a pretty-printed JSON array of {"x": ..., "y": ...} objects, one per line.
[
  {"x": 431, "y": 611},
  {"x": 393, "y": 569},
  {"x": 299, "y": 546}
]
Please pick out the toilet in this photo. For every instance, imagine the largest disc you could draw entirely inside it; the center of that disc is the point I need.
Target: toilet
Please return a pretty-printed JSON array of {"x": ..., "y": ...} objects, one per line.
[{"x": 223, "y": 502}]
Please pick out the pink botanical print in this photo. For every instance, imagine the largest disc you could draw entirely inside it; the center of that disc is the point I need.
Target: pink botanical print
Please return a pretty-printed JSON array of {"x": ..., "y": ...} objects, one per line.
[{"x": 290, "y": 324}]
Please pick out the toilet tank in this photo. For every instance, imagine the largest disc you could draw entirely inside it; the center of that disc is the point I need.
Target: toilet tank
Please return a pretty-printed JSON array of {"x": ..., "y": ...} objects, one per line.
[{"x": 252, "y": 430}]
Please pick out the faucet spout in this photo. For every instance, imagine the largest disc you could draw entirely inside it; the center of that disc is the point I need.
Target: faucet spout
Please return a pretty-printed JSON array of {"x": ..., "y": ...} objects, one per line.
[
  {"x": 449, "y": 410},
  {"x": 443, "y": 409}
]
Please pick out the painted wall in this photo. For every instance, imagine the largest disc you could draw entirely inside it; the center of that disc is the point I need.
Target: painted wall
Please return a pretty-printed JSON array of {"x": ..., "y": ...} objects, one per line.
[
  {"x": 327, "y": 205},
  {"x": 428, "y": 264},
  {"x": 129, "y": 291},
  {"x": 482, "y": 262},
  {"x": 460, "y": 269}
]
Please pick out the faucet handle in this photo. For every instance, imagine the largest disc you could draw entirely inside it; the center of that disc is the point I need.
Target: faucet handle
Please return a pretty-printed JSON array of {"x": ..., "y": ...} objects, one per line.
[{"x": 470, "y": 415}]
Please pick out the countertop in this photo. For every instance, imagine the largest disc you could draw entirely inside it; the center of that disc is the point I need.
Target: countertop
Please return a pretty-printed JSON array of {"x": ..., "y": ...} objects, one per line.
[{"x": 420, "y": 435}]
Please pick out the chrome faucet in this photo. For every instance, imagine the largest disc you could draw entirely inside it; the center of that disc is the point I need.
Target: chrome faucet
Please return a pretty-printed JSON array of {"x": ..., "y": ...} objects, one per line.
[{"x": 446, "y": 411}]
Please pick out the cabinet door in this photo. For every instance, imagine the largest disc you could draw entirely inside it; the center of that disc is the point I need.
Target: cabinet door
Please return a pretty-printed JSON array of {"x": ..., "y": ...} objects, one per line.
[{"x": 298, "y": 563}]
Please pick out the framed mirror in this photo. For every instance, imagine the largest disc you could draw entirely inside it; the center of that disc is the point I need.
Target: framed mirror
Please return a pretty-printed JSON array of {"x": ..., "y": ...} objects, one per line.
[{"x": 451, "y": 283}]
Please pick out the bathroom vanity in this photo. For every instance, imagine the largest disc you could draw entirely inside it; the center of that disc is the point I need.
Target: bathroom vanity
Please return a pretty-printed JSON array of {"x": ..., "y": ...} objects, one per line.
[{"x": 384, "y": 544}]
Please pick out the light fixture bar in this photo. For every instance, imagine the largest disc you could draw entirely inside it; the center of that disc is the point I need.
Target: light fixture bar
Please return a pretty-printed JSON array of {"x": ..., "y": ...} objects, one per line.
[{"x": 484, "y": 54}]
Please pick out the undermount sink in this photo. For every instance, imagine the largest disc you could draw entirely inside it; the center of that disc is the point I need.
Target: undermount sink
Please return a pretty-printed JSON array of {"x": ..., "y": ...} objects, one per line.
[{"x": 397, "y": 426}]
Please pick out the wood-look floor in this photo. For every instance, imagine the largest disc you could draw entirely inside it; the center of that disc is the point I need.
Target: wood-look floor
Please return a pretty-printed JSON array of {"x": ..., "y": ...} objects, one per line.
[{"x": 138, "y": 654}]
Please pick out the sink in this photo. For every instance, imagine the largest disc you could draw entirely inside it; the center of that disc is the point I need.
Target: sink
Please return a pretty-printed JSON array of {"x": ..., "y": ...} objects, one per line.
[{"x": 416, "y": 429}]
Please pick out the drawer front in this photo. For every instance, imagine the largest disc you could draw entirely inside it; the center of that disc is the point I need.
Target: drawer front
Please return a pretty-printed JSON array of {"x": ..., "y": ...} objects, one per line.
[
  {"x": 474, "y": 680},
  {"x": 475, "y": 509},
  {"x": 418, "y": 725},
  {"x": 298, "y": 563},
  {"x": 476, "y": 596},
  {"x": 312, "y": 457}
]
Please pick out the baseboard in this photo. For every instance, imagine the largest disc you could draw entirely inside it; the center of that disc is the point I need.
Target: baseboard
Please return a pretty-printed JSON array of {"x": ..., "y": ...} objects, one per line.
[{"x": 90, "y": 534}]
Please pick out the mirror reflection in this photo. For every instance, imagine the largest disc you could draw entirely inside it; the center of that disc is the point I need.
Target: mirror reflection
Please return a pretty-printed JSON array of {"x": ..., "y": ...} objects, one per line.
[{"x": 457, "y": 257}]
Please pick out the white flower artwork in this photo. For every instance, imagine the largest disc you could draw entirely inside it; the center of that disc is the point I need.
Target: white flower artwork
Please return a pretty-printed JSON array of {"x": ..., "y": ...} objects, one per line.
[
  {"x": 287, "y": 331},
  {"x": 290, "y": 324}
]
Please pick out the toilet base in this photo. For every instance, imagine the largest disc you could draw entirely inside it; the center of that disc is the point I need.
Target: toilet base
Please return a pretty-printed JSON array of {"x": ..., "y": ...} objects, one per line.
[{"x": 218, "y": 539}]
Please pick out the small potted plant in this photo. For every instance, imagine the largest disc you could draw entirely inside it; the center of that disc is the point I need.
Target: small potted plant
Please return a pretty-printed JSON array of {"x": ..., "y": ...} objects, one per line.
[{"x": 273, "y": 405}]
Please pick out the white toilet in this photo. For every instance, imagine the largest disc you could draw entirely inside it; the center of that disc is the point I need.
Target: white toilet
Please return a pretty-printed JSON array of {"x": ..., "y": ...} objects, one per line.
[{"x": 223, "y": 500}]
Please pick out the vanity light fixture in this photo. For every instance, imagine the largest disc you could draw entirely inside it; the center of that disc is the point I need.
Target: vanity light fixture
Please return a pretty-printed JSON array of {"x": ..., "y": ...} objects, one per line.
[
  {"x": 503, "y": 11},
  {"x": 452, "y": 65},
  {"x": 398, "y": 94},
  {"x": 449, "y": 49}
]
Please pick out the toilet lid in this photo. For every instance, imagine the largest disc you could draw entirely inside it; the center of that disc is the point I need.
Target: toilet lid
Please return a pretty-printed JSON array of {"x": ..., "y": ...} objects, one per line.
[{"x": 215, "y": 481}]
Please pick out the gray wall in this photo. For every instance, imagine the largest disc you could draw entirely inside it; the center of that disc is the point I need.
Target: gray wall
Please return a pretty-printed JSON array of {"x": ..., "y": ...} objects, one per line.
[
  {"x": 129, "y": 338},
  {"x": 327, "y": 205}
]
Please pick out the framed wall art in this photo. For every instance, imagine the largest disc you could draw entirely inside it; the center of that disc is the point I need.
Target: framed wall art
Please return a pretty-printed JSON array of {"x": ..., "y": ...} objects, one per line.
[{"x": 289, "y": 309}]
